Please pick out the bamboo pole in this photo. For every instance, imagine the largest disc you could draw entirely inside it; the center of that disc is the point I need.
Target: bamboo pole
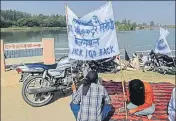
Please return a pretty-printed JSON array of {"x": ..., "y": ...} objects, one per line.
[
  {"x": 173, "y": 59},
  {"x": 66, "y": 15},
  {"x": 123, "y": 88}
]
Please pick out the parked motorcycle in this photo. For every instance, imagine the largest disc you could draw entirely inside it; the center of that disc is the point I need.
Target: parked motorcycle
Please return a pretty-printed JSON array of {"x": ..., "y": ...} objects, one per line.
[
  {"x": 28, "y": 70},
  {"x": 160, "y": 63},
  {"x": 43, "y": 80},
  {"x": 104, "y": 65}
]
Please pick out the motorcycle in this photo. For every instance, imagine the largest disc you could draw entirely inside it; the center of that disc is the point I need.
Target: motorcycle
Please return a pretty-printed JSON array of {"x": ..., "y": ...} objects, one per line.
[
  {"x": 27, "y": 70},
  {"x": 44, "y": 80},
  {"x": 160, "y": 63},
  {"x": 104, "y": 65}
]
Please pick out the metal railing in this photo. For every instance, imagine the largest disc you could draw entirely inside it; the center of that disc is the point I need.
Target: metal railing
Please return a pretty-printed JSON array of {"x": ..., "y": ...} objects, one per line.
[{"x": 23, "y": 53}]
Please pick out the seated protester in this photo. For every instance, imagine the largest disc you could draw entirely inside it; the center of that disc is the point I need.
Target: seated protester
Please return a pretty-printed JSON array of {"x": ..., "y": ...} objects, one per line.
[
  {"x": 120, "y": 65},
  {"x": 140, "y": 96},
  {"x": 171, "y": 107},
  {"x": 134, "y": 62},
  {"x": 91, "y": 101}
]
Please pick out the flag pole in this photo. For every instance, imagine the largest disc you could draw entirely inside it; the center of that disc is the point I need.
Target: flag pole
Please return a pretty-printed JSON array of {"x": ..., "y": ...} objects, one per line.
[
  {"x": 123, "y": 81},
  {"x": 173, "y": 58},
  {"x": 123, "y": 87},
  {"x": 66, "y": 15}
]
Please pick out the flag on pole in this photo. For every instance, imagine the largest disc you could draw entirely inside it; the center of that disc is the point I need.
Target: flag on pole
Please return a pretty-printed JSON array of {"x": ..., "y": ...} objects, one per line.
[
  {"x": 162, "y": 46},
  {"x": 126, "y": 56},
  {"x": 92, "y": 36},
  {"x": 164, "y": 32}
]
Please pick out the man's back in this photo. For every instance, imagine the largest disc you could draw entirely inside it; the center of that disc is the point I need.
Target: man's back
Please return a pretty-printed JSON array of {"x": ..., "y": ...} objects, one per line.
[
  {"x": 91, "y": 103},
  {"x": 148, "y": 90}
]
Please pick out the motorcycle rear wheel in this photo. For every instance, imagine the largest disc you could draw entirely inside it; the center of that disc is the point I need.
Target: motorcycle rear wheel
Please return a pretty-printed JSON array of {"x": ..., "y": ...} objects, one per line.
[{"x": 36, "y": 100}]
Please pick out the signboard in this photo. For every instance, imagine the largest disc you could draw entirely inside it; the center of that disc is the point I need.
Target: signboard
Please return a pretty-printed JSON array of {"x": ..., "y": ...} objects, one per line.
[{"x": 22, "y": 46}]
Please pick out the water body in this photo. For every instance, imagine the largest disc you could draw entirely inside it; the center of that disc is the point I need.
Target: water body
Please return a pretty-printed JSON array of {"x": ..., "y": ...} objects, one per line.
[{"x": 131, "y": 40}]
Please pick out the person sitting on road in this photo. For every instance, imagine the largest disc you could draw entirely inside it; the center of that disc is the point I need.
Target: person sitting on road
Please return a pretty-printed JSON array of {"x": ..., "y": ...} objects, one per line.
[
  {"x": 171, "y": 107},
  {"x": 91, "y": 101},
  {"x": 140, "y": 96}
]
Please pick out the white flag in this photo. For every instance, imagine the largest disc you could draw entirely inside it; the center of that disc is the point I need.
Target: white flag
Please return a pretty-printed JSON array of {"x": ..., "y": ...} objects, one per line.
[
  {"x": 164, "y": 32},
  {"x": 92, "y": 36},
  {"x": 162, "y": 46}
]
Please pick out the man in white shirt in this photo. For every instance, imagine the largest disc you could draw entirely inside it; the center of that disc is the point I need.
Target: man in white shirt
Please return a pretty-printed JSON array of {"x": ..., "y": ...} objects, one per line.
[{"x": 171, "y": 107}]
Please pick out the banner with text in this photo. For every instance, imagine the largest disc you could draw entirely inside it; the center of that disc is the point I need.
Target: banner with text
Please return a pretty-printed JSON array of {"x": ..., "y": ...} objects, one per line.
[{"x": 92, "y": 36}]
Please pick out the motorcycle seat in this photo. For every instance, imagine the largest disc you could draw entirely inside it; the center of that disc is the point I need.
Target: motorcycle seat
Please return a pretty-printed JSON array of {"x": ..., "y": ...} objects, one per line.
[
  {"x": 52, "y": 66},
  {"x": 41, "y": 65}
]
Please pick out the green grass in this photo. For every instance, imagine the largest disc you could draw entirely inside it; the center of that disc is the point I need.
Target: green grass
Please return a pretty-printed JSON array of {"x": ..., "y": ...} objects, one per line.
[{"x": 145, "y": 76}]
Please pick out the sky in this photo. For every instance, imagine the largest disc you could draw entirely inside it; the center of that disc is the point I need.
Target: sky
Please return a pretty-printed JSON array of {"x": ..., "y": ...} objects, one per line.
[{"x": 162, "y": 12}]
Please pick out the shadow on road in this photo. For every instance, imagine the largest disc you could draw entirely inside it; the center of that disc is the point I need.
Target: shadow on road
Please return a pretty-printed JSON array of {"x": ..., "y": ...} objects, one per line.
[{"x": 60, "y": 94}]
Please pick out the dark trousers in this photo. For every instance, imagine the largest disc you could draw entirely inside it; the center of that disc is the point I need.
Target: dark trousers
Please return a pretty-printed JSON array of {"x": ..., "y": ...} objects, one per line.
[{"x": 105, "y": 111}]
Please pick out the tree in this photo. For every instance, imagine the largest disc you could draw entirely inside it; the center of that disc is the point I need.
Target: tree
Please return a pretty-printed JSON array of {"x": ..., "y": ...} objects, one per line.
[
  {"x": 134, "y": 24},
  {"x": 16, "y": 18},
  {"x": 144, "y": 24},
  {"x": 117, "y": 23},
  {"x": 124, "y": 21},
  {"x": 129, "y": 22},
  {"x": 22, "y": 22},
  {"x": 46, "y": 22},
  {"x": 152, "y": 23}
]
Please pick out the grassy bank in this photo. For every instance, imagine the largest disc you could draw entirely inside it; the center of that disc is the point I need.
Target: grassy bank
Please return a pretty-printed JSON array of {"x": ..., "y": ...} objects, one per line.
[
  {"x": 14, "y": 29},
  {"x": 145, "y": 76}
]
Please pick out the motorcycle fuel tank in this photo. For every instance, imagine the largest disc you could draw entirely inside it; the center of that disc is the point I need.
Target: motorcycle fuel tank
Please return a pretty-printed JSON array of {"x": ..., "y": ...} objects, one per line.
[
  {"x": 56, "y": 73},
  {"x": 65, "y": 63}
]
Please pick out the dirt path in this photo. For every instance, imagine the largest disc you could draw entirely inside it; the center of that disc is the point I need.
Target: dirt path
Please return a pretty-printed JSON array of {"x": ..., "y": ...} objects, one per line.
[{"x": 13, "y": 108}]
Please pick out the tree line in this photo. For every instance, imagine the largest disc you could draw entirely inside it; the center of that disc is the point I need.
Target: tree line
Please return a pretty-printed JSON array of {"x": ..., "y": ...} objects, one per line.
[
  {"x": 13, "y": 18},
  {"x": 125, "y": 25}
]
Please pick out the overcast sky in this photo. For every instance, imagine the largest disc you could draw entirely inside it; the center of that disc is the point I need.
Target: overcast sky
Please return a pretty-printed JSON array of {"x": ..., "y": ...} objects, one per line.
[{"x": 162, "y": 12}]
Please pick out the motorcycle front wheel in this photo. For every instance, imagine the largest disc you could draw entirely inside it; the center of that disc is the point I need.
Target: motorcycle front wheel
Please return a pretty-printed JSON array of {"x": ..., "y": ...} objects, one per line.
[
  {"x": 148, "y": 66},
  {"x": 40, "y": 99}
]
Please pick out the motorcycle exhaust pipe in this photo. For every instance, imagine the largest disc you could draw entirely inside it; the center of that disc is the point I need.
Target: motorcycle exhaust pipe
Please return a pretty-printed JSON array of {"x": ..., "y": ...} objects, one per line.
[{"x": 45, "y": 90}]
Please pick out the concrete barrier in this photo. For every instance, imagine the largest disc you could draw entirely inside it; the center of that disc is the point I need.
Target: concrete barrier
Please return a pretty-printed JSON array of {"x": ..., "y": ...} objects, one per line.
[
  {"x": 48, "y": 50},
  {"x": 2, "y": 57}
]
